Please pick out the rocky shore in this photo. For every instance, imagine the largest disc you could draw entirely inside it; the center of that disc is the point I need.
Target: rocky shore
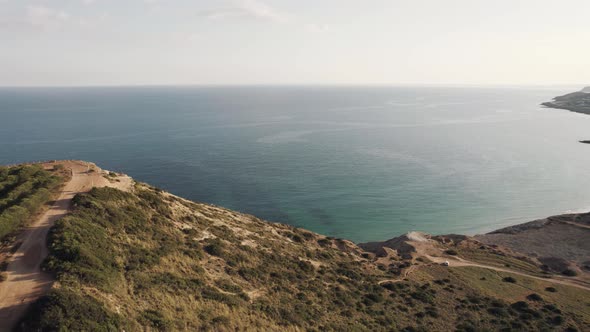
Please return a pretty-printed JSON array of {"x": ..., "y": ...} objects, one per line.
[{"x": 578, "y": 102}]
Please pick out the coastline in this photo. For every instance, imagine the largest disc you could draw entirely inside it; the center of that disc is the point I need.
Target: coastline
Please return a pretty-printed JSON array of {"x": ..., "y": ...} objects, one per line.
[
  {"x": 478, "y": 230},
  {"x": 473, "y": 231},
  {"x": 578, "y": 101},
  {"x": 175, "y": 234},
  {"x": 373, "y": 185}
]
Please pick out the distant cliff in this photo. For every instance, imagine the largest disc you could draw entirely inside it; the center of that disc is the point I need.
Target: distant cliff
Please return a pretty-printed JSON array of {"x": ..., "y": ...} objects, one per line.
[{"x": 576, "y": 102}]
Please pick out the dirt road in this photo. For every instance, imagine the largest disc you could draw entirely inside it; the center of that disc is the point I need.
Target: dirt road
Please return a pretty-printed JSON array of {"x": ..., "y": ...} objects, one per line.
[
  {"x": 428, "y": 249},
  {"x": 25, "y": 282},
  {"x": 458, "y": 262}
]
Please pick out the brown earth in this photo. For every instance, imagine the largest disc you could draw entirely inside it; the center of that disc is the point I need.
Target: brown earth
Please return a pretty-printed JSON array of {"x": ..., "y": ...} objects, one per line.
[
  {"x": 416, "y": 245},
  {"x": 559, "y": 242}
]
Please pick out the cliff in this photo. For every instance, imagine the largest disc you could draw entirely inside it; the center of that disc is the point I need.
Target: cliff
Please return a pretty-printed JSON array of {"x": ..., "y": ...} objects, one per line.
[{"x": 144, "y": 259}]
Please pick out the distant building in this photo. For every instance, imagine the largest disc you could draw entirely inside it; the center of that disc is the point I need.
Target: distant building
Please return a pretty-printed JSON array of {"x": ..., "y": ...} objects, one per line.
[{"x": 586, "y": 89}]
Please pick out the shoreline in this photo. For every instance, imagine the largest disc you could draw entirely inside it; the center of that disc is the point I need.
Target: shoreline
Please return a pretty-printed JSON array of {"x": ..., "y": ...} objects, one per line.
[
  {"x": 578, "y": 101},
  {"x": 478, "y": 231},
  {"x": 257, "y": 259}
]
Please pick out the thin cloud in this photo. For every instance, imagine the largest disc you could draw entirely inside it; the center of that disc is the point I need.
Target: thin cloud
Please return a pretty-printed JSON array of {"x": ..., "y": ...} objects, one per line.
[
  {"x": 45, "y": 17},
  {"x": 249, "y": 9},
  {"x": 314, "y": 27}
]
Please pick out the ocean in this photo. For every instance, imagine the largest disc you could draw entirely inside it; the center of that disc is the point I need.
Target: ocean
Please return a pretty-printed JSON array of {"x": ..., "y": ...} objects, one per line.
[{"x": 361, "y": 163}]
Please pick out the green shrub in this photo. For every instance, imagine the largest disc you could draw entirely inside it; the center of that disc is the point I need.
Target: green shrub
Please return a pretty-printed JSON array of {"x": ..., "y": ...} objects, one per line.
[
  {"x": 63, "y": 310},
  {"x": 509, "y": 279},
  {"x": 82, "y": 249},
  {"x": 228, "y": 286},
  {"x": 250, "y": 274},
  {"x": 216, "y": 247},
  {"x": 569, "y": 273},
  {"x": 519, "y": 306},
  {"x": 432, "y": 312},
  {"x": 154, "y": 200},
  {"x": 105, "y": 194},
  {"x": 556, "y": 320},
  {"x": 422, "y": 296},
  {"x": 373, "y": 298},
  {"x": 500, "y": 312},
  {"x": 305, "y": 266},
  {"x": 220, "y": 320},
  {"x": 155, "y": 318},
  {"x": 534, "y": 297},
  {"x": 23, "y": 191},
  {"x": 211, "y": 293},
  {"x": 392, "y": 286},
  {"x": 552, "y": 308},
  {"x": 295, "y": 237},
  {"x": 141, "y": 258}
]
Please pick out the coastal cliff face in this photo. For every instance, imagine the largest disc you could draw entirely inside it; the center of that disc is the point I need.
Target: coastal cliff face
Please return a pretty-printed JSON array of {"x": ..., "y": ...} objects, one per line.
[
  {"x": 576, "y": 102},
  {"x": 148, "y": 260}
]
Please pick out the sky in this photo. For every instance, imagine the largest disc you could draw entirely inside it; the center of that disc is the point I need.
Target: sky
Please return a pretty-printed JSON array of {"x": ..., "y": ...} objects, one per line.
[{"x": 175, "y": 42}]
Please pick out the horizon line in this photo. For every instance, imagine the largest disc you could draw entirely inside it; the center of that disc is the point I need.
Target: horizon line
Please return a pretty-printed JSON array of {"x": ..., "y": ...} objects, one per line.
[{"x": 221, "y": 85}]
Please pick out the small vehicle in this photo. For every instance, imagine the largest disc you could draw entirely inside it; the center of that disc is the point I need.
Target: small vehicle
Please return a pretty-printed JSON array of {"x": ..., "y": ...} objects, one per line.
[{"x": 445, "y": 263}]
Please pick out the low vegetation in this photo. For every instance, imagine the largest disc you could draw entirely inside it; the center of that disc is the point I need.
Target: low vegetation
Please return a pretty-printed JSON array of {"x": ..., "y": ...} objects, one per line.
[
  {"x": 569, "y": 273},
  {"x": 23, "y": 191},
  {"x": 509, "y": 279},
  {"x": 148, "y": 260},
  {"x": 451, "y": 252}
]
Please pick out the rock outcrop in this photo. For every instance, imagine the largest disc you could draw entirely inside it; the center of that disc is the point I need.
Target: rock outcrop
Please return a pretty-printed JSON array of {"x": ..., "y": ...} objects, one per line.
[{"x": 578, "y": 102}]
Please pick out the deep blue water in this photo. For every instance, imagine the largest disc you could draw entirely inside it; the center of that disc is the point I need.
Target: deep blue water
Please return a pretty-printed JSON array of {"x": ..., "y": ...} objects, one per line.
[{"x": 364, "y": 163}]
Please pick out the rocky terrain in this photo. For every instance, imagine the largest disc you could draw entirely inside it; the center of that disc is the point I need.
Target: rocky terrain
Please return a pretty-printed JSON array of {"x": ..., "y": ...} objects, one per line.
[
  {"x": 559, "y": 243},
  {"x": 576, "y": 101}
]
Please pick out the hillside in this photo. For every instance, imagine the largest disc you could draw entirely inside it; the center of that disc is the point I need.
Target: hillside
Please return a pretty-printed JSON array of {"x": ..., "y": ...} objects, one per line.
[
  {"x": 576, "y": 101},
  {"x": 144, "y": 259},
  {"x": 35, "y": 197}
]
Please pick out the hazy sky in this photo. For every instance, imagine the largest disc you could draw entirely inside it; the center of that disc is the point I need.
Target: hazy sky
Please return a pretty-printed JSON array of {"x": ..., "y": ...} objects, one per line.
[{"x": 119, "y": 42}]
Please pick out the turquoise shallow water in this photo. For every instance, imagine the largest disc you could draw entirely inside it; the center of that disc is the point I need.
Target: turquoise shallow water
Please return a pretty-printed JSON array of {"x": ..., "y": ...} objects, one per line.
[{"x": 363, "y": 163}]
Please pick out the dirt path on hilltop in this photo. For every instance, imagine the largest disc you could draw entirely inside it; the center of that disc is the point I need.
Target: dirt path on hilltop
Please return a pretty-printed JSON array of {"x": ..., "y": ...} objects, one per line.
[{"x": 25, "y": 282}]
